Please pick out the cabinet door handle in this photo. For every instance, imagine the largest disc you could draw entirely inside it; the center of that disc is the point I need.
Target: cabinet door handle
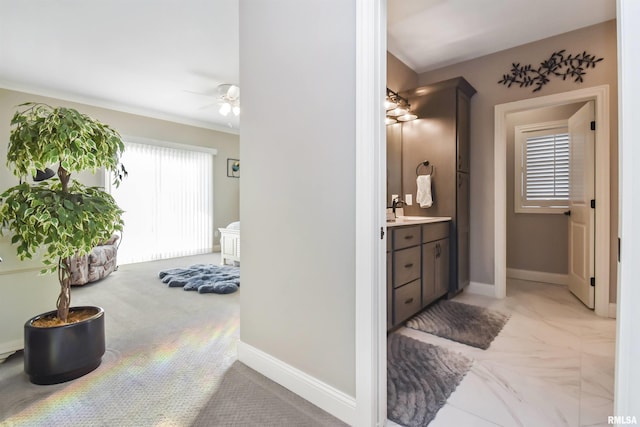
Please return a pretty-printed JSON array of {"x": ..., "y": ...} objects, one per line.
[
  {"x": 408, "y": 237},
  {"x": 437, "y": 250},
  {"x": 409, "y": 301},
  {"x": 408, "y": 265}
]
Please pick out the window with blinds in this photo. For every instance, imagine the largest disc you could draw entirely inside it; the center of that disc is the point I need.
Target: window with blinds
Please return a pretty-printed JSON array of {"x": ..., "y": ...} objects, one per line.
[
  {"x": 168, "y": 201},
  {"x": 542, "y": 168}
]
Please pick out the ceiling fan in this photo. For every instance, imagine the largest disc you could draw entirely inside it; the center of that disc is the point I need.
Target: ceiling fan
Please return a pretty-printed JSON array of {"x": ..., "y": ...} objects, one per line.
[{"x": 228, "y": 97}]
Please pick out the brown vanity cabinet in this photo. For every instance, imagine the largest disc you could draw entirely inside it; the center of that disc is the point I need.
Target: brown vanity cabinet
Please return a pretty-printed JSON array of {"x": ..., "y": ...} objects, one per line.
[
  {"x": 417, "y": 268},
  {"x": 435, "y": 261}
]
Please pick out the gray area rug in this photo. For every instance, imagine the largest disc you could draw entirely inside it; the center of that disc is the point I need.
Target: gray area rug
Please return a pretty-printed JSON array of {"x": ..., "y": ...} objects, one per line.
[
  {"x": 420, "y": 378},
  {"x": 464, "y": 323},
  {"x": 204, "y": 278}
]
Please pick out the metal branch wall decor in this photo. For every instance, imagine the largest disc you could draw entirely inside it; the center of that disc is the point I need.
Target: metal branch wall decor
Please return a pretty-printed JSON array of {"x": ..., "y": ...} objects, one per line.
[{"x": 559, "y": 65}]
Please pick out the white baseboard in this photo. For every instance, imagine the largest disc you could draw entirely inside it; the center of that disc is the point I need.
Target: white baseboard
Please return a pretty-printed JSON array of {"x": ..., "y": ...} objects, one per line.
[
  {"x": 326, "y": 397},
  {"x": 538, "y": 276},
  {"x": 481, "y": 289},
  {"x": 613, "y": 310}
]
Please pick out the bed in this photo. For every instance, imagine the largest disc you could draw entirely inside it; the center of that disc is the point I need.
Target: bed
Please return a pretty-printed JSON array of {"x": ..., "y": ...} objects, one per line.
[{"x": 230, "y": 244}]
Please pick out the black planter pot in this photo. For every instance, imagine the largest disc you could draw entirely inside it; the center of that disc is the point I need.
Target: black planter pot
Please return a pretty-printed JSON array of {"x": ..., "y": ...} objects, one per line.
[{"x": 63, "y": 353}]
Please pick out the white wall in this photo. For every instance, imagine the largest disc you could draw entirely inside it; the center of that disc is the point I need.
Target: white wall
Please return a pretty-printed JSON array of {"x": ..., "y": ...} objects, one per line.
[
  {"x": 297, "y": 62},
  {"x": 627, "y": 389}
]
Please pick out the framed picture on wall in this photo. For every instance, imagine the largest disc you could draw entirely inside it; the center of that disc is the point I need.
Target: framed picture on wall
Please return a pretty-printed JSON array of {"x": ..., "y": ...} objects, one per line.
[{"x": 233, "y": 168}]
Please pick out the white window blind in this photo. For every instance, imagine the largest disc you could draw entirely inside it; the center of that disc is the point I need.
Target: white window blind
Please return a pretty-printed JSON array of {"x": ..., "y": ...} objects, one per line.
[
  {"x": 168, "y": 202},
  {"x": 542, "y": 169}
]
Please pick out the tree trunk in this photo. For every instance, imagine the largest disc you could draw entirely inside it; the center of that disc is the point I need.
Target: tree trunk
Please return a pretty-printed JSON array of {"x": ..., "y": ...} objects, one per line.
[
  {"x": 64, "y": 178},
  {"x": 64, "y": 265},
  {"x": 64, "y": 299}
]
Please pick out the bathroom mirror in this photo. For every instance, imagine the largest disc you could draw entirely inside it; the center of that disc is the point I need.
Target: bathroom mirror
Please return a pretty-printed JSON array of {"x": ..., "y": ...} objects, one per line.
[{"x": 394, "y": 161}]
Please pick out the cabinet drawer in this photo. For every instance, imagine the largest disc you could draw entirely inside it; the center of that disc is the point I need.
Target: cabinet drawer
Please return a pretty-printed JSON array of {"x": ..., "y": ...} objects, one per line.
[
  {"x": 406, "y": 266},
  {"x": 406, "y": 301},
  {"x": 435, "y": 231},
  {"x": 403, "y": 237}
]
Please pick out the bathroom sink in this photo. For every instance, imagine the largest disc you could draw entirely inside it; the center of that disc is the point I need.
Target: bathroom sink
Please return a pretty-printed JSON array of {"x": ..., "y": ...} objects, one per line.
[{"x": 414, "y": 218}]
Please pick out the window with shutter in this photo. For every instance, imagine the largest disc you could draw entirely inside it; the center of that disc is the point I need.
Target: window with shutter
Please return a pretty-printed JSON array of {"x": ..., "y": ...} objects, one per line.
[{"x": 542, "y": 168}]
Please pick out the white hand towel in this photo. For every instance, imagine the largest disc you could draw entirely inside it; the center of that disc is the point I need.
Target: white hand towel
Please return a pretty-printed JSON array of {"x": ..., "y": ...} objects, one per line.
[{"x": 423, "y": 195}]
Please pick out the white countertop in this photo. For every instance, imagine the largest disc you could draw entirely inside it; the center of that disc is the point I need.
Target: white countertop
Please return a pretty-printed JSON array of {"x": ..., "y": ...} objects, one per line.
[{"x": 402, "y": 221}]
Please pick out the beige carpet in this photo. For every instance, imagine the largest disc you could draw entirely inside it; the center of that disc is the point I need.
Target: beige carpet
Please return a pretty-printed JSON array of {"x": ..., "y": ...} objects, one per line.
[
  {"x": 170, "y": 361},
  {"x": 246, "y": 398}
]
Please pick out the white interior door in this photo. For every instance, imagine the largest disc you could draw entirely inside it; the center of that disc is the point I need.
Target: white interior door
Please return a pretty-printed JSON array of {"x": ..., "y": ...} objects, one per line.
[{"x": 581, "y": 192}]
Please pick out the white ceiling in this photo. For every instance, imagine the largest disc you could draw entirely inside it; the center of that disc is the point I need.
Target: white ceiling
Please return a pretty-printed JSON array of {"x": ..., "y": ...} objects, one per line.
[
  {"x": 431, "y": 34},
  {"x": 164, "y": 58}
]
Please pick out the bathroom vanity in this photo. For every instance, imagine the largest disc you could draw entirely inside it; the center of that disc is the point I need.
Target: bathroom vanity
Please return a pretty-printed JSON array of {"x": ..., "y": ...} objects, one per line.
[{"x": 417, "y": 265}]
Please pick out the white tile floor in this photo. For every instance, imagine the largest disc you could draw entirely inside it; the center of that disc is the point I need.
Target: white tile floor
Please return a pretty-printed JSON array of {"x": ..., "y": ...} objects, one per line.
[{"x": 551, "y": 365}]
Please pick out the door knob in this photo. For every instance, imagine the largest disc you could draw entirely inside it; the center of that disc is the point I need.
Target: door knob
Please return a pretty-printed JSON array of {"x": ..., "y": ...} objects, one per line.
[{"x": 567, "y": 213}]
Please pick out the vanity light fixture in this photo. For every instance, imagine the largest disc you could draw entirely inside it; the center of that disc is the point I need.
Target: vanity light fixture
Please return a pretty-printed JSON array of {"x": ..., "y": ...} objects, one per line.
[{"x": 398, "y": 108}]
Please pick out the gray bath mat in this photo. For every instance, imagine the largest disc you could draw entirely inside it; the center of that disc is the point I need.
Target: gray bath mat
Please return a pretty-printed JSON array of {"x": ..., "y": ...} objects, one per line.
[
  {"x": 464, "y": 323},
  {"x": 420, "y": 379}
]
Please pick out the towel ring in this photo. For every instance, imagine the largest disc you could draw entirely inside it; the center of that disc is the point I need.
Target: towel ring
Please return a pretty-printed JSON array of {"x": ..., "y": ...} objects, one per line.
[{"x": 425, "y": 164}]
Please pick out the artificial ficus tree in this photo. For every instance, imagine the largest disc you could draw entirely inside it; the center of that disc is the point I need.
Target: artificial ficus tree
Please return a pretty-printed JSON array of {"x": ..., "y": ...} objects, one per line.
[{"x": 60, "y": 218}]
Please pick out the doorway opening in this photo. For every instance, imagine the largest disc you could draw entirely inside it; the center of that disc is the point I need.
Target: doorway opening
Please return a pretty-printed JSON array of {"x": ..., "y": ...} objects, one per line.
[
  {"x": 600, "y": 96},
  {"x": 550, "y": 183}
]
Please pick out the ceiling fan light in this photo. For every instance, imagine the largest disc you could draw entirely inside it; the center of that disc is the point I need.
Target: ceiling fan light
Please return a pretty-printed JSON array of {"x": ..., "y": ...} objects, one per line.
[
  {"x": 225, "y": 109},
  {"x": 389, "y": 120},
  {"x": 236, "y": 110}
]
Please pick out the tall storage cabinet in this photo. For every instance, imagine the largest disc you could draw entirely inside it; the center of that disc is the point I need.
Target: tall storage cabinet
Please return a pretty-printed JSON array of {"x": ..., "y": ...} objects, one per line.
[{"x": 441, "y": 135}]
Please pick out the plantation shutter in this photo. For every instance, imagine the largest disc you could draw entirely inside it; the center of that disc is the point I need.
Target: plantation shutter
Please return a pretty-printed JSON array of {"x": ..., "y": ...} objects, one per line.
[{"x": 546, "y": 168}]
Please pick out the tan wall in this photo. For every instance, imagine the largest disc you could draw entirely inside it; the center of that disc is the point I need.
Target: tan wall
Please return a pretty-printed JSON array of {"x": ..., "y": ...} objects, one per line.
[
  {"x": 226, "y": 190},
  {"x": 483, "y": 74},
  {"x": 399, "y": 76},
  {"x": 535, "y": 242}
]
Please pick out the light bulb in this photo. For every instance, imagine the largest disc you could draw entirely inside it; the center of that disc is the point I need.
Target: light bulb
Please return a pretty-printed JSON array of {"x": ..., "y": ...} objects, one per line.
[
  {"x": 407, "y": 117},
  {"x": 389, "y": 104},
  {"x": 389, "y": 121},
  {"x": 397, "y": 111},
  {"x": 233, "y": 92},
  {"x": 236, "y": 110},
  {"x": 225, "y": 109}
]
